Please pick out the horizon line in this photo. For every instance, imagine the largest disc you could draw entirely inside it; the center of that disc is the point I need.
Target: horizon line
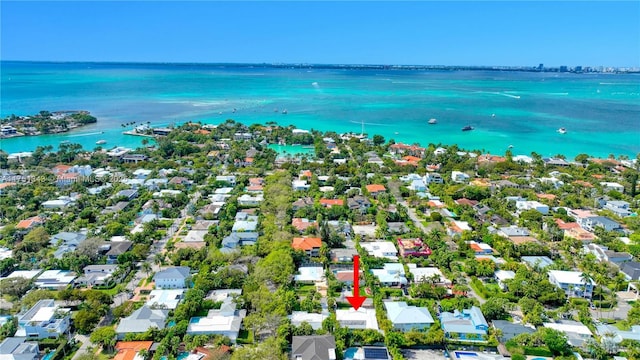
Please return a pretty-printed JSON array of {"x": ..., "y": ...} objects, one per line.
[{"x": 302, "y": 64}]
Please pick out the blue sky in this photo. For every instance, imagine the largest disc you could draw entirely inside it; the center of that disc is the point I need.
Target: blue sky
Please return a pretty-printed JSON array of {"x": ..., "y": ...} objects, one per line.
[{"x": 430, "y": 32}]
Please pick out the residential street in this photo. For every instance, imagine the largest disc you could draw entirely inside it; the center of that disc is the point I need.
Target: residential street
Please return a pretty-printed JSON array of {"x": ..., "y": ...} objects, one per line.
[{"x": 86, "y": 343}]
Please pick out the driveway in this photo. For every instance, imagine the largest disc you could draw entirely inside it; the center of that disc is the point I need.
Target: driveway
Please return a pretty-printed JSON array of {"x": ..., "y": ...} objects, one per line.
[
  {"x": 620, "y": 312},
  {"x": 84, "y": 348}
]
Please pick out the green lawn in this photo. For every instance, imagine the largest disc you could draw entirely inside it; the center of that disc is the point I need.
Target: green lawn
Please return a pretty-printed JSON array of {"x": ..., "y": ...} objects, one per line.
[
  {"x": 245, "y": 337},
  {"x": 112, "y": 292}
]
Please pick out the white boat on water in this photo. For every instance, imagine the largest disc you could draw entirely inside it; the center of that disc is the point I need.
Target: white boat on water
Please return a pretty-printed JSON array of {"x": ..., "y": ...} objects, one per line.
[
  {"x": 101, "y": 142},
  {"x": 562, "y": 130},
  {"x": 284, "y": 111},
  {"x": 432, "y": 121}
]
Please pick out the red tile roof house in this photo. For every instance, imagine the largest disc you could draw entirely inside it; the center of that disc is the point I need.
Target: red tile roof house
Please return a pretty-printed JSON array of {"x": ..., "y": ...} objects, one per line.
[
  {"x": 303, "y": 224},
  {"x": 30, "y": 223},
  {"x": 60, "y": 169},
  {"x": 346, "y": 277},
  {"x": 310, "y": 245},
  {"x": 413, "y": 247},
  {"x": 464, "y": 201},
  {"x": 402, "y": 149},
  {"x": 256, "y": 181},
  {"x": 375, "y": 189},
  {"x": 328, "y": 203}
]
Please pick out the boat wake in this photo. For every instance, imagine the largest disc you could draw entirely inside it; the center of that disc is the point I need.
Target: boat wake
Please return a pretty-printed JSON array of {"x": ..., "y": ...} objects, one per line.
[
  {"x": 87, "y": 134},
  {"x": 366, "y": 123},
  {"x": 509, "y": 95}
]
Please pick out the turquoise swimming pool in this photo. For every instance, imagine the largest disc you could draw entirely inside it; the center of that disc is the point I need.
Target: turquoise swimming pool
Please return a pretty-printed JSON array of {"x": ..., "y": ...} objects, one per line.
[{"x": 49, "y": 355}]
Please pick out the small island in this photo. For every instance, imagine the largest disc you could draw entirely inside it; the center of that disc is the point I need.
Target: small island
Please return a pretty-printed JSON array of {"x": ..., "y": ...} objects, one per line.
[{"x": 44, "y": 122}]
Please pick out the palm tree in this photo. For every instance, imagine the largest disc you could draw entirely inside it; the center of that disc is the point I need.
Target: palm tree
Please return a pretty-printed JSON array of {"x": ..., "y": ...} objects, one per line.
[
  {"x": 587, "y": 279},
  {"x": 146, "y": 267}
]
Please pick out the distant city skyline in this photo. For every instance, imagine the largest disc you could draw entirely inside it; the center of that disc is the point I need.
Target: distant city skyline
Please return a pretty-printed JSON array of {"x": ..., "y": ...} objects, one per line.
[{"x": 406, "y": 33}]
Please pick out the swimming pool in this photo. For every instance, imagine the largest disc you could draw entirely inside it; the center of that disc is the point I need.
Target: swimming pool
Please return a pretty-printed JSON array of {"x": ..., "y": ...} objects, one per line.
[
  {"x": 49, "y": 355},
  {"x": 462, "y": 354},
  {"x": 350, "y": 353}
]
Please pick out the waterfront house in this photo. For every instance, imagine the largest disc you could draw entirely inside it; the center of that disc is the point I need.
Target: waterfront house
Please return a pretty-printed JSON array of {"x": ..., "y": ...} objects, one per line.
[
  {"x": 467, "y": 325},
  {"x": 142, "y": 320},
  {"x": 317, "y": 347},
  {"x": 43, "y": 320},
  {"x": 406, "y": 318},
  {"x": 172, "y": 278}
]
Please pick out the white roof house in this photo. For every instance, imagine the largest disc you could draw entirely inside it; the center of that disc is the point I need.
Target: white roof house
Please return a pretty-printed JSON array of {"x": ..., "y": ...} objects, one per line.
[
  {"x": 421, "y": 274},
  {"x": 55, "y": 279},
  {"x": 532, "y": 205},
  {"x": 572, "y": 283},
  {"x": 381, "y": 249},
  {"x": 357, "y": 319},
  {"x": 392, "y": 274},
  {"x": 25, "y": 274},
  {"x": 609, "y": 186},
  {"x": 224, "y": 321},
  {"x": 576, "y": 332},
  {"x": 459, "y": 177},
  {"x": 315, "y": 320},
  {"x": 309, "y": 274},
  {"x": 165, "y": 299}
]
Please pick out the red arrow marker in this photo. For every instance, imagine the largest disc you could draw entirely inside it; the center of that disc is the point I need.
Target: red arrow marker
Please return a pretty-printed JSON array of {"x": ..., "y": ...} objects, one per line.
[{"x": 356, "y": 300}]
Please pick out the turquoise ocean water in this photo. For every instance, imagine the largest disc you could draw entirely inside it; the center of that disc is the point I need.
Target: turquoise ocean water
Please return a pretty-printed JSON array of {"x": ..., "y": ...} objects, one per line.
[{"x": 601, "y": 112}]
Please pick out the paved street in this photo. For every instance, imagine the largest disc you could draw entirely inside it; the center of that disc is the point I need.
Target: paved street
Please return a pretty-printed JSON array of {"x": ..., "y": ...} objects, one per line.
[{"x": 84, "y": 348}]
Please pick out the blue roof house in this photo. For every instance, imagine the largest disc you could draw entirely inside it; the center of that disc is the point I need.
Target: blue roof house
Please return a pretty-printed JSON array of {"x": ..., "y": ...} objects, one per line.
[
  {"x": 406, "y": 318},
  {"x": 468, "y": 325}
]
